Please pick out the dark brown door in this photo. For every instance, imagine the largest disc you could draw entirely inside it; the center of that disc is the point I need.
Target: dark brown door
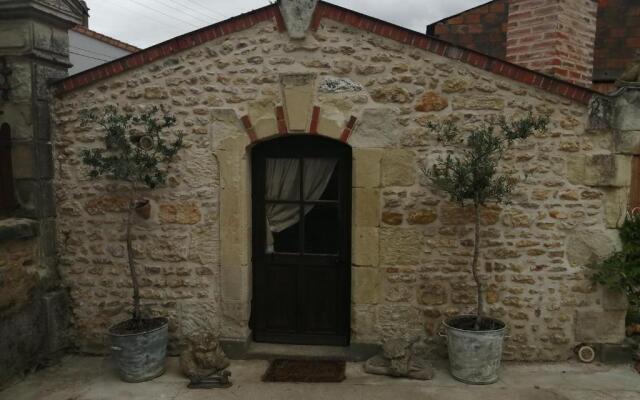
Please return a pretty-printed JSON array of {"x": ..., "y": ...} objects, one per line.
[
  {"x": 301, "y": 240},
  {"x": 7, "y": 195}
]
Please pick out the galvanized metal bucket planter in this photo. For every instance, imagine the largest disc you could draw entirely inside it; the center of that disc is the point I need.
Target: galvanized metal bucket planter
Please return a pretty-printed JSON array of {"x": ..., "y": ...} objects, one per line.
[
  {"x": 474, "y": 356},
  {"x": 140, "y": 356}
]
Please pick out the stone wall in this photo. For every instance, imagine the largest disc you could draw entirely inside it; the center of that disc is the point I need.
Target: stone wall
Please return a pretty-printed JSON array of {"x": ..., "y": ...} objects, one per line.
[
  {"x": 411, "y": 246},
  {"x": 176, "y": 249},
  {"x": 33, "y": 318},
  {"x": 33, "y": 309}
]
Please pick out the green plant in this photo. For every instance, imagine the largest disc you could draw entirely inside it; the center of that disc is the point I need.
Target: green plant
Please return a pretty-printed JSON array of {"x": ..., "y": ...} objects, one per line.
[
  {"x": 135, "y": 152},
  {"x": 621, "y": 271},
  {"x": 473, "y": 175}
]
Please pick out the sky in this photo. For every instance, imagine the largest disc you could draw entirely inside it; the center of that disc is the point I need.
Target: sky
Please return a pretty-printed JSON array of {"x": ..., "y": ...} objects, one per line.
[{"x": 147, "y": 22}]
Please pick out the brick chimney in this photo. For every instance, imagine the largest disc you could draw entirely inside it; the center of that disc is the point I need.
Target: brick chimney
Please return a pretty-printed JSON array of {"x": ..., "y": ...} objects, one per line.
[{"x": 555, "y": 37}]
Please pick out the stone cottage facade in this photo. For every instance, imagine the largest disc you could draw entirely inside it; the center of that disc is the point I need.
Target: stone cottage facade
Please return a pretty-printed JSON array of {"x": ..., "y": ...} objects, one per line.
[{"x": 264, "y": 76}]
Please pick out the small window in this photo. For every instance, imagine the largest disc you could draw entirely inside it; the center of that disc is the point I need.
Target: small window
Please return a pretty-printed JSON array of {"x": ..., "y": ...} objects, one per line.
[{"x": 7, "y": 195}]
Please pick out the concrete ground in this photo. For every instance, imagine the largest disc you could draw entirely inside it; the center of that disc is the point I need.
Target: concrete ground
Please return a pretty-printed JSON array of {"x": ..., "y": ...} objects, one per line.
[{"x": 92, "y": 378}]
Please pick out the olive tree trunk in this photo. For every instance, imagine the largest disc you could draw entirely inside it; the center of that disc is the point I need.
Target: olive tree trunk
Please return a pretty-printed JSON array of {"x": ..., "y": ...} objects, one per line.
[
  {"x": 474, "y": 266},
  {"x": 132, "y": 268}
]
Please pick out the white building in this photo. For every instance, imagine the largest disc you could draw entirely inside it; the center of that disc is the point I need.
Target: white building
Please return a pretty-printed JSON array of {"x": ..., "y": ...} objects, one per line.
[{"x": 88, "y": 49}]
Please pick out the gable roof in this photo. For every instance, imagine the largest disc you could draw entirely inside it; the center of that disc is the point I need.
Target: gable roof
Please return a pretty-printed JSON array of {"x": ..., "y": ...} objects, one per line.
[
  {"x": 339, "y": 14},
  {"x": 83, "y": 30}
]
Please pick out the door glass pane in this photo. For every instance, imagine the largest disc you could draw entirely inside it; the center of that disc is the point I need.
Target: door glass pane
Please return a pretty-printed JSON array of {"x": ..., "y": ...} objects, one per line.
[
  {"x": 283, "y": 228},
  {"x": 320, "y": 179},
  {"x": 321, "y": 229},
  {"x": 282, "y": 179}
]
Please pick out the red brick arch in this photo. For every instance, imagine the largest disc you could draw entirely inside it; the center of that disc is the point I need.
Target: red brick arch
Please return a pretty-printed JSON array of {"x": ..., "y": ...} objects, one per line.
[{"x": 313, "y": 125}]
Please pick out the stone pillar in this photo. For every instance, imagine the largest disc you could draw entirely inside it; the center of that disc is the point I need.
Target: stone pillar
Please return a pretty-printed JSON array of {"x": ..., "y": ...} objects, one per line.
[
  {"x": 618, "y": 117},
  {"x": 626, "y": 124},
  {"x": 34, "y": 46}
]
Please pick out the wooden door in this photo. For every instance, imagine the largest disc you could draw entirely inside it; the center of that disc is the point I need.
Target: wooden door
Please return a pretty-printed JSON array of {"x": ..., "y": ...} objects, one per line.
[
  {"x": 7, "y": 194},
  {"x": 301, "y": 269}
]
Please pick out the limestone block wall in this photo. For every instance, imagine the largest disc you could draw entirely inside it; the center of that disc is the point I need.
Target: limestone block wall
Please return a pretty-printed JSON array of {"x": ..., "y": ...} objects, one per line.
[
  {"x": 411, "y": 246},
  {"x": 34, "y": 50},
  {"x": 33, "y": 318}
]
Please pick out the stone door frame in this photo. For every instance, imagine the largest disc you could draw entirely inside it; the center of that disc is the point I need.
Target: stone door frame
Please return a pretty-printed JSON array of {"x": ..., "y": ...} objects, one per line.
[{"x": 297, "y": 114}]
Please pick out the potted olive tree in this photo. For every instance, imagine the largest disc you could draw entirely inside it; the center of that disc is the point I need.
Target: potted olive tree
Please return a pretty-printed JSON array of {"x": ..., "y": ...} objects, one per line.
[
  {"x": 472, "y": 177},
  {"x": 136, "y": 153}
]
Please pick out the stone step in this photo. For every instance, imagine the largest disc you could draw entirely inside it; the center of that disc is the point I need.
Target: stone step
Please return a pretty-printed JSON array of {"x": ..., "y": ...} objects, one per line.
[{"x": 267, "y": 351}]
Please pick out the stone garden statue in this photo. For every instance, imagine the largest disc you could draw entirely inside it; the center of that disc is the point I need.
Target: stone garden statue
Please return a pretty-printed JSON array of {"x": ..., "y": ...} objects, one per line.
[
  {"x": 203, "y": 361},
  {"x": 631, "y": 74},
  {"x": 403, "y": 359}
]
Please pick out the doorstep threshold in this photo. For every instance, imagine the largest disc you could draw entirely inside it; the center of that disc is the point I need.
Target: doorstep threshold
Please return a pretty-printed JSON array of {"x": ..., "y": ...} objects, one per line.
[{"x": 268, "y": 351}]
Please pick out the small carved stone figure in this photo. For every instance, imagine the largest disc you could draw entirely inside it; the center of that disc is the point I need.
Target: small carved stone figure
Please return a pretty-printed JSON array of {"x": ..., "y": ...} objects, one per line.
[
  {"x": 203, "y": 361},
  {"x": 401, "y": 358},
  {"x": 631, "y": 74}
]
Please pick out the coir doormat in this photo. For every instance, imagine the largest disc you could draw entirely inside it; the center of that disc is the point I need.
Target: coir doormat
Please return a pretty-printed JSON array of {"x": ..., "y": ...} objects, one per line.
[{"x": 284, "y": 370}]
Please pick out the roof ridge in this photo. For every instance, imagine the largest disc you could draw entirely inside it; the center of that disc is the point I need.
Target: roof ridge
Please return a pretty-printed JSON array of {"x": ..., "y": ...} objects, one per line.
[{"x": 339, "y": 14}]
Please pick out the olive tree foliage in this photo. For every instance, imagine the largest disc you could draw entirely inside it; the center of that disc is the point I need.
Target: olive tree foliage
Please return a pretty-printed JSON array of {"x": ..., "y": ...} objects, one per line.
[
  {"x": 135, "y": 151},
  {"x": 471, "y": 174},
  {"x": 621, "y": 271}
]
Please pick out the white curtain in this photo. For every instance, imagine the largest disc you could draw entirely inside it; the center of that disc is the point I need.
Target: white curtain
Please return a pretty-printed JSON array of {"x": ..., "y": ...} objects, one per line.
[{"x": 283, "y": 183}]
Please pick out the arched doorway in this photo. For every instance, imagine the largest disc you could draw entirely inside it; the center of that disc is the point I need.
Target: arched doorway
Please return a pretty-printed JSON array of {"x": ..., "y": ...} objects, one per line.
[{"x": 301, "y": 186}]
